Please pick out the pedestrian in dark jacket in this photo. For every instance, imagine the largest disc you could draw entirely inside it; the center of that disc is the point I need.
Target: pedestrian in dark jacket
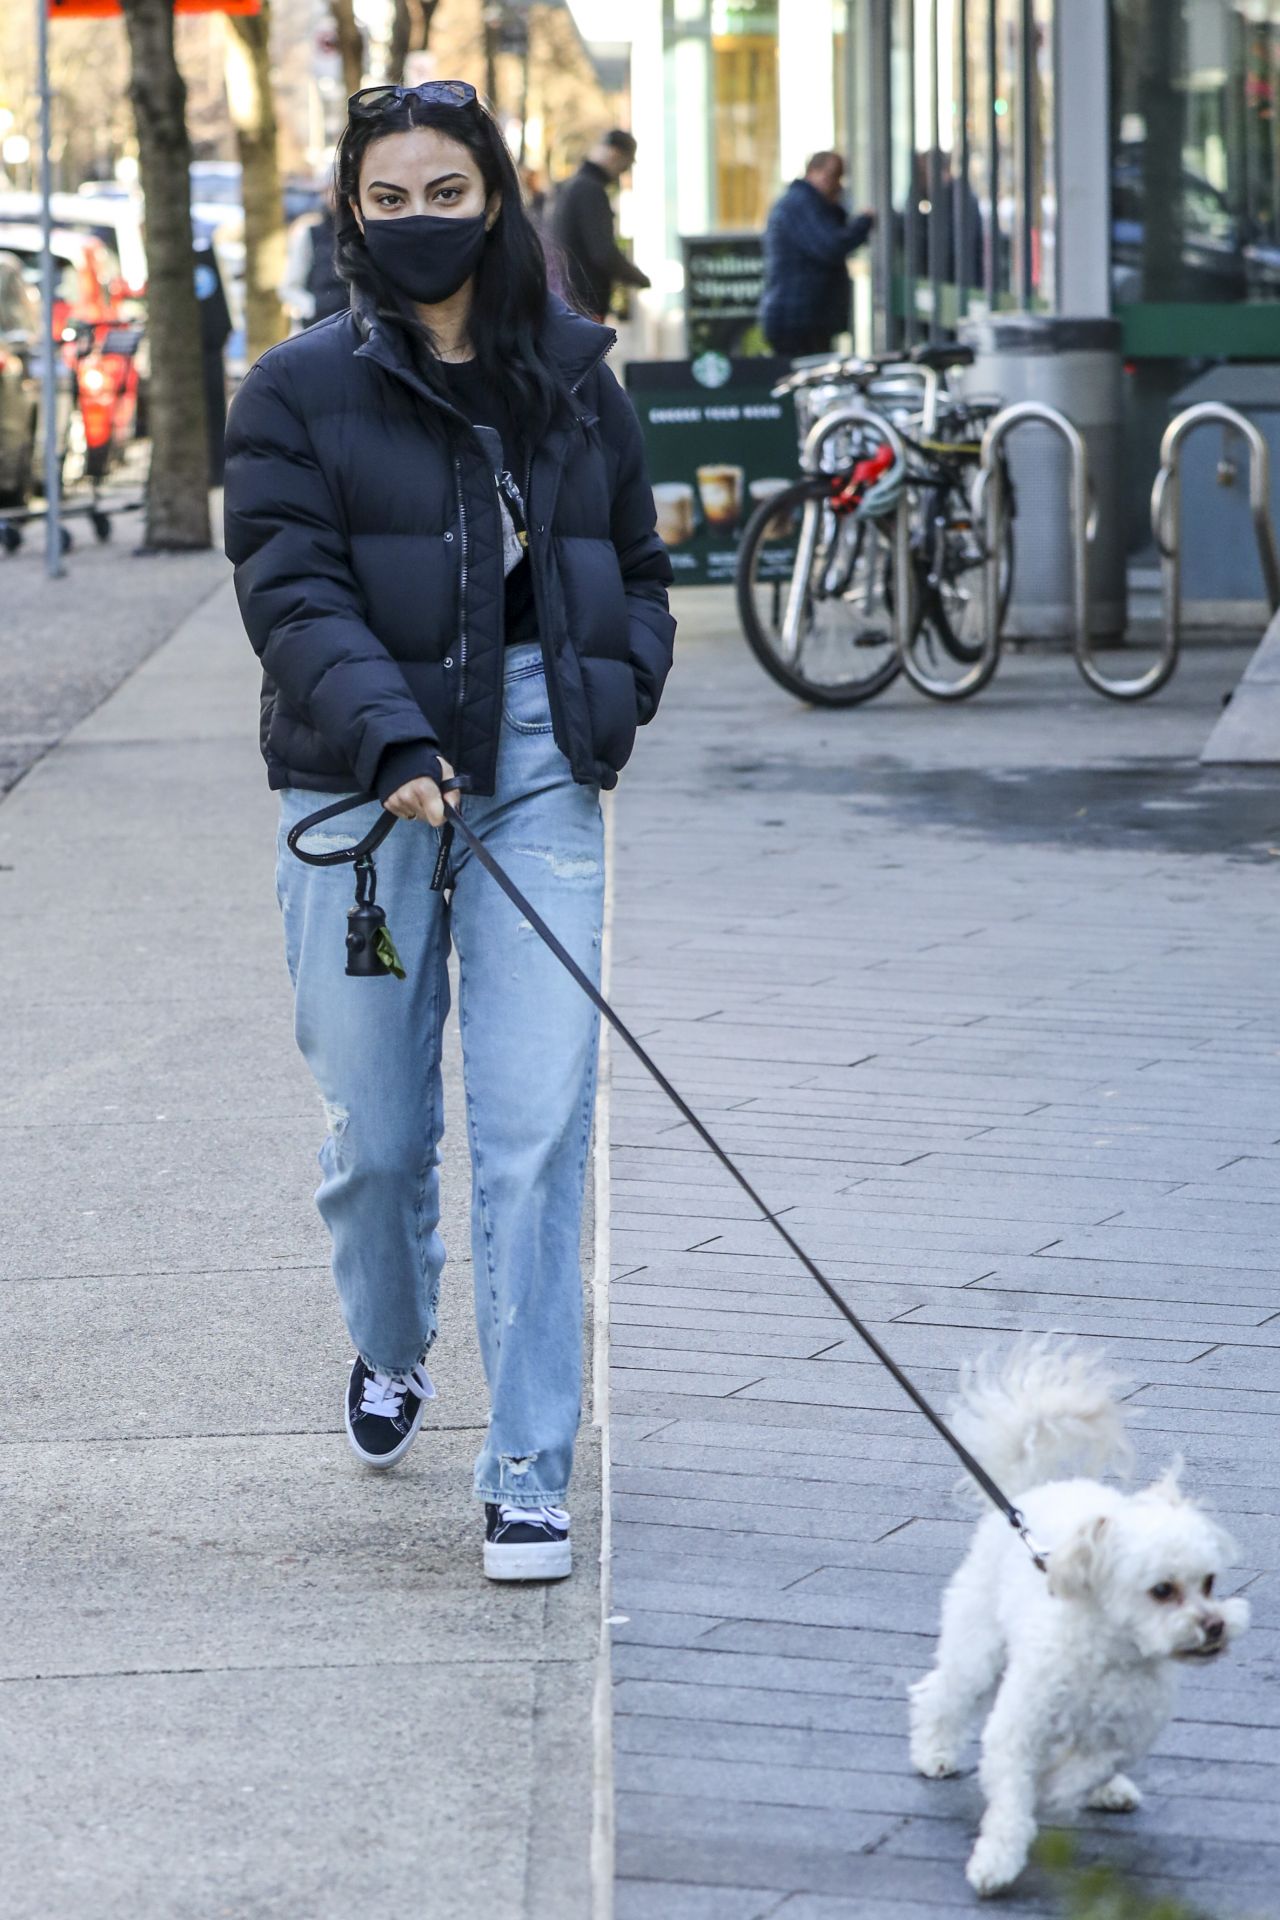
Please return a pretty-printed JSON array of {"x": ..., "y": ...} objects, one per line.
[
  {"x": 215, "y": 331},
  {"x": 808, "y": 238},
  {"x": 446, "y": 558},
  {"x": 588, "y": 256},
  {"x": 312, "y": 288}
]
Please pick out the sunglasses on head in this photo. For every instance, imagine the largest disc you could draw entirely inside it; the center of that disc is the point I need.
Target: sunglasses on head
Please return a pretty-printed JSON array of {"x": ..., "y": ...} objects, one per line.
[{"x": 370, "y": 101}]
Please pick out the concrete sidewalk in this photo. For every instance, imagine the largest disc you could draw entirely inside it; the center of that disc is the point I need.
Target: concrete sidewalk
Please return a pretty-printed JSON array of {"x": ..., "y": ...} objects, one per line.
[
  {"x": 65, "y": 645},
  {"x": 986, "y": 999},
  {"x": 241, "y": 1676}
]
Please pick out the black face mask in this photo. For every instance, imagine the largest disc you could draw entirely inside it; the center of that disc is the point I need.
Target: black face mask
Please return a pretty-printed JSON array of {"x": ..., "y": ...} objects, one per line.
[{"x": 426, "y": 255}]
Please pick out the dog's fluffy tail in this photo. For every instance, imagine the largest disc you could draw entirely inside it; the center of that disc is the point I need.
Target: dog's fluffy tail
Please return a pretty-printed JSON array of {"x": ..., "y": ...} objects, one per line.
[{"x": 1040, "y": 1410}]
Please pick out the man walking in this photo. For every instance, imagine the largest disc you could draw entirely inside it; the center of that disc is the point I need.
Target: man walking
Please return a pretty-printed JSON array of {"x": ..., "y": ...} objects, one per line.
[
  {"x": 312, "y": 288},
  {"x": 582, "y": 233},
  {"x": 806, "y": 243}
]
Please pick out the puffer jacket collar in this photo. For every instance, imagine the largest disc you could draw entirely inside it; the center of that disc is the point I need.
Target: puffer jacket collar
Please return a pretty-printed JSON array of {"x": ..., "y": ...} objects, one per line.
[{"x": 573, "y": 344}]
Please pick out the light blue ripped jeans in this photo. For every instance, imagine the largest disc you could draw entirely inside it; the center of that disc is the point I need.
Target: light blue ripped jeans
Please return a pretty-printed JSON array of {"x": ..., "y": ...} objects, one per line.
[{"x": 529, "y": 1058}]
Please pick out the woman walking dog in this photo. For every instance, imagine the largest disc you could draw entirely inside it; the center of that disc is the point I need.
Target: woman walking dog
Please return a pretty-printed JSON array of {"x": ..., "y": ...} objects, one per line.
[{"x": 446, "y": 560}]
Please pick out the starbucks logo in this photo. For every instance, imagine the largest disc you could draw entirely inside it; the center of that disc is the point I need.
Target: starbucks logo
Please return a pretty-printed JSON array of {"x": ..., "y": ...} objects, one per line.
[{"x": 712, "y": 370}]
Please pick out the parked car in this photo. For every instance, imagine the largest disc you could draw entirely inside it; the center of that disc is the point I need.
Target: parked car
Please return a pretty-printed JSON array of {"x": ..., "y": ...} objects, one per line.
[
  {"x": 1211, "y": 258},
  {"x": 20, "y": 344},
  {"x": 97, "y": 340},
  {"x": 217, "y": 182},
  {"x": 115, "y": 220}
]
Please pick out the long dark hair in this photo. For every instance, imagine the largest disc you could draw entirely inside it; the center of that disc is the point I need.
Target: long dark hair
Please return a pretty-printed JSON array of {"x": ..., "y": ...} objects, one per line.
[{"x": 510, "y": 295}]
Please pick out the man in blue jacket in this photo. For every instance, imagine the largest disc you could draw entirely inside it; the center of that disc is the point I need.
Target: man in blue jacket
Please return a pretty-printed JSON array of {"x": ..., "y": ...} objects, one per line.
[{"x": 806, "y": 243}]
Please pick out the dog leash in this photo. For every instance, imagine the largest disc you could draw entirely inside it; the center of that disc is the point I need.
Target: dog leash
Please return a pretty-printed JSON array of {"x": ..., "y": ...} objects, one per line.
[{"x": 361, "y": 855}]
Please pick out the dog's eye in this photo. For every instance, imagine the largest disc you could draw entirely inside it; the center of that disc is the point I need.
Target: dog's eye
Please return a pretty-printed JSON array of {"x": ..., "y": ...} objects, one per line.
[
  {"x": 1207, "y": 1585},
  {"x": 1163, "y": 1590}
]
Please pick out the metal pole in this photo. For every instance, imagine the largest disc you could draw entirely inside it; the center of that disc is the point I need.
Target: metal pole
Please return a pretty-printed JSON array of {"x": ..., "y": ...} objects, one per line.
[
  {"x": 884, "y": 249},
  {"x": 1027, "y": 196},
  {"x": 49, "y": 368},
  {"x": 960, "y": 209},
  {"x": 936, "y": 230},
  {"x": 915, "y": 188},
  {"x": 993, "y": 162}
]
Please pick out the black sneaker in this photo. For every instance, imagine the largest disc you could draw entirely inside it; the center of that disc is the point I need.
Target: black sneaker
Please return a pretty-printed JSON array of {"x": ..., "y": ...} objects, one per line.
[
  {"x": 526, "y": 1543},
  {"x": 384, "y": 1412}
]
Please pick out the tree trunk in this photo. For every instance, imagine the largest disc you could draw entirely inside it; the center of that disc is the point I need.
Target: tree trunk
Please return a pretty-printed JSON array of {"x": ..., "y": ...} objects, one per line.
[
  {"x": 410, "y": 33},
  {"x": 491, "y": 16},
  {"x": 398, "y": 45},
  {"x": 253, "y": 114},
  {"x": 178, "y": 495},
  {"x": 350, "y": 44}
]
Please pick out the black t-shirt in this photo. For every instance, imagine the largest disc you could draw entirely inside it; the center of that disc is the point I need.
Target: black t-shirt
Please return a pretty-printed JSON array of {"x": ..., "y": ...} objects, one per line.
[{"x": 486, "y": 406}]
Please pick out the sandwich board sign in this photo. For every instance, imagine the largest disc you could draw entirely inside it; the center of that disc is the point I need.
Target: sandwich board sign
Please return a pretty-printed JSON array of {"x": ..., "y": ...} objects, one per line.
[{"x": 718, "y": 444}]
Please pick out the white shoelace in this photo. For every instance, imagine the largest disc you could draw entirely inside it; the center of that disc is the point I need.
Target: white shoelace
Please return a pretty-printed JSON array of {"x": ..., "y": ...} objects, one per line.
[
  {"x": 534, "y": 1517},
  {"x": 384, "y": 1392}
]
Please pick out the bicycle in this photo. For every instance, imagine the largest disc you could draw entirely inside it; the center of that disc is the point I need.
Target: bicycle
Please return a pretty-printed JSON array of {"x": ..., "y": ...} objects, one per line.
[{"x": 816, "y": 568}]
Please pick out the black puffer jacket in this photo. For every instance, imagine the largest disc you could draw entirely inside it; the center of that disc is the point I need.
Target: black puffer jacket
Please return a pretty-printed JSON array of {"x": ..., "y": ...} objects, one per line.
[{"x": 368, "y": 557}]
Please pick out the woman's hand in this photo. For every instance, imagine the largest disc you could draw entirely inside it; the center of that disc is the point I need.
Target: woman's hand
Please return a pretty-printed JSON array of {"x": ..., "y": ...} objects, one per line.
[{"x": 422, "y": 799}]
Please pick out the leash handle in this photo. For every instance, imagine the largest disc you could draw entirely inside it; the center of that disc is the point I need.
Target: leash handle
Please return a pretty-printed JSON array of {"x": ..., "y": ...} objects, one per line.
[
  {"x": 339, "y": 856},
  {"x": 499, "y": 874}
]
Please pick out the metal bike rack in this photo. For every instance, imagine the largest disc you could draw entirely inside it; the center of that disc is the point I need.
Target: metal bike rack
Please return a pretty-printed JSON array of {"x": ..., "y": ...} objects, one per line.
[
  {"x": 930, "y": 390},
  {"x": 821, "y": 431},
  {"x": 1166, "y": 513},
  {"x": 990, "y": 508}
]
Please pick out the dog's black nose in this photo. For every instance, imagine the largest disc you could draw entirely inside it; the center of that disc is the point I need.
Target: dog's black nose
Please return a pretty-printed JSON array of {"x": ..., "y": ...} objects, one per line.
[{"x": 1213, "y": 1631}]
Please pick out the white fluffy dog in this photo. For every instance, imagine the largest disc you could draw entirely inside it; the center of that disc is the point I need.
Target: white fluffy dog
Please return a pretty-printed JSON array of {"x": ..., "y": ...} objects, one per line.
[{"x": 1081, "y": 1660}]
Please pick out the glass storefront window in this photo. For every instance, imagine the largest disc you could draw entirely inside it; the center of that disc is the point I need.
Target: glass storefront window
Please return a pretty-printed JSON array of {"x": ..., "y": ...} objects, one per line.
[
  {"x": 973, "y": 157},
  {"x": 744, "y": 86},
  {"x": 1195, "y": 162}
]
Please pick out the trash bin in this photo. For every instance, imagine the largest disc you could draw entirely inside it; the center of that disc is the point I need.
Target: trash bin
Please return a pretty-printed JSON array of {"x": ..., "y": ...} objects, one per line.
[
  {"x": 1075, "y": 366},
  {"x": 1222, "y": 584}
]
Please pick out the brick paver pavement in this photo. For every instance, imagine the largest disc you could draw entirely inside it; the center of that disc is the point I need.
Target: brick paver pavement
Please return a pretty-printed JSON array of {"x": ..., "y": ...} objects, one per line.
[{"x": 986, "y": 999}]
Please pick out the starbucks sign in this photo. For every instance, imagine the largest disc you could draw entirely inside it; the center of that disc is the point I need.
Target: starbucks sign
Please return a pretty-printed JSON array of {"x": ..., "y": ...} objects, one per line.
[{"x": 718, "y": 443}]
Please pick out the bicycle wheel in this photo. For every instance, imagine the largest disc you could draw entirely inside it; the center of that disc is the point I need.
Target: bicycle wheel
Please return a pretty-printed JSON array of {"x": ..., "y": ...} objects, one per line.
[
  {"x": 815, "y": 597},
  {"x": 952, "y": 600}
]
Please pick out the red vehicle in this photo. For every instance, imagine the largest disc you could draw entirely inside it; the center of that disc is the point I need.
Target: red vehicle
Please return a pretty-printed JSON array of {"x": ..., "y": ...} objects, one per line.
[{"x": 98, "y": 342}]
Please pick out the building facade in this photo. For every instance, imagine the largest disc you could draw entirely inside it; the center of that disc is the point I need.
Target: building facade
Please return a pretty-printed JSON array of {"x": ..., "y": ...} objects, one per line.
[{"x": 1073, "y": 156}]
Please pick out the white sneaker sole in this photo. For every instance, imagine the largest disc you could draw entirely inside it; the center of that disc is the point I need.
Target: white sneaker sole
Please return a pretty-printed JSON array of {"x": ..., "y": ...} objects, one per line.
[
  {"x": 552, "y": 1560},
  {"x": 380, "y": 1460}
]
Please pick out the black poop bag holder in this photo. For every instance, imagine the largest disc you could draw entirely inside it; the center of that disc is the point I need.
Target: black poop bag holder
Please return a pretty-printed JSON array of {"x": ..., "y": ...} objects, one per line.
[{"x": 371, "y": 952}]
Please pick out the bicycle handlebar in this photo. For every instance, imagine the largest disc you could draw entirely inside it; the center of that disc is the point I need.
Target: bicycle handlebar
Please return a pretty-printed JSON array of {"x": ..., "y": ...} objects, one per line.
[{"x": 930, "y": 357}]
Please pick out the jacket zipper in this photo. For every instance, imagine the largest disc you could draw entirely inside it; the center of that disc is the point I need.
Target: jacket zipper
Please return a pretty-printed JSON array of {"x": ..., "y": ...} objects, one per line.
[
  {"x": 552, "y": 678},
  {"x": 462, "y": 608},
  {"x": 554, "y": 692}
]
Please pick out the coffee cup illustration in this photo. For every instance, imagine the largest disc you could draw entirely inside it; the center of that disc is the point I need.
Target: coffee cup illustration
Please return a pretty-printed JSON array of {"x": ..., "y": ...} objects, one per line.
[
  {"x": 721, "y": 489},
  {"x": 674, "y": 504},
  {"x": 761, "y": 490}
]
